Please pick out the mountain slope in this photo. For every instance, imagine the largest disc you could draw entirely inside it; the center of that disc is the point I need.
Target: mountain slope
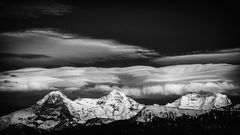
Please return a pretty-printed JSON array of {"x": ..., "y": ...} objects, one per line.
[
  {"x": 152, "y": 112},
  {"x": 115, "y": 106},
  {"x": 190, "y": 105},
  {"x": 201, "y": 101},
  {"x": 56, "y": 113},
  {"x": 55, "y": 110}
]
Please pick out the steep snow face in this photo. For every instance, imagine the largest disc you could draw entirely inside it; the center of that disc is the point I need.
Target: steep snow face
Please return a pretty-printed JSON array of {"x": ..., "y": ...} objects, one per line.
[
  {"x": 113, "y": 106},
  {"x": 53, "y": 98},
  {"x": 191, "y": 105},
  {"x": 221, "y": 101},
  {"x": 56, "y": 106},
  {"x": 118, "y": 106},
  {"x": 55, "y": 110},
  {"x": 201, "y": 101},
  {"x": 149, "y": 113}
]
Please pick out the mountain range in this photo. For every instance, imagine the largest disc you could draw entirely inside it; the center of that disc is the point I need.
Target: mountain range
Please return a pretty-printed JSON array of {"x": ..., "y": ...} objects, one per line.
[{"x": 56, "y": 114}]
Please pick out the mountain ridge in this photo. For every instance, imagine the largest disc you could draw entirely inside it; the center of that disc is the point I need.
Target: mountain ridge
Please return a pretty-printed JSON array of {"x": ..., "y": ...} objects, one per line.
[
  {"x": 56, "y": 111},
  {"x": 201, "y": 101},
  {"x": 55, "y": 108}
]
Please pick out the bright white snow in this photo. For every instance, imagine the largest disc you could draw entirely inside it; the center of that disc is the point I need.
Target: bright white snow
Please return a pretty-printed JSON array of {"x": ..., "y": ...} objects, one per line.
[
  {"x": 198, "y": 101},
  {"x": 56, "y": 107}
]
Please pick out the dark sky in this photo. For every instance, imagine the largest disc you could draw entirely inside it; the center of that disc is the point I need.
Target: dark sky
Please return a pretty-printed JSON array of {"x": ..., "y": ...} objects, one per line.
[
  {"x": 168, "y": 28},
  {"x": 56, "y": 33}
]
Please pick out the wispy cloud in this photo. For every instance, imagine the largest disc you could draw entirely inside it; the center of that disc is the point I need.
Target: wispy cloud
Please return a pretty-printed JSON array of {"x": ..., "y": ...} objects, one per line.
[
  {"x": 34, "y": 9},
  {"x": 137, "y": 81},
  {"x": 230, "y": 56},
  {"x": 231, "y": 50},
  {"x": 23, "y": 56},
  {"x": 65, "y": 48}
]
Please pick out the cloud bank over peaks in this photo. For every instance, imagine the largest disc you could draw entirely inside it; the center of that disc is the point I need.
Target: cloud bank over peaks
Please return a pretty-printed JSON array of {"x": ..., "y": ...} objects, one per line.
[
  {"x": 181, "y": 89},
  {"x": 136, "y": 81}
]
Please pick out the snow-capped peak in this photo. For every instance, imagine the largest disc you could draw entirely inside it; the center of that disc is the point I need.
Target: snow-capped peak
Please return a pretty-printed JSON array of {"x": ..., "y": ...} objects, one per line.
[
  {"x": 115, "y": 106},
  {"x": 221, "y": 101},
  {"x": 53, "y": 97},
  {"x": 56, "y": 109},
  {"x": 56, "y": 93},
  {"x": 191, "y": 105},
  {"x": 114, "y": 96},
  {"x": 116, "y": 93},
  {"x": 201, "y": 101}
]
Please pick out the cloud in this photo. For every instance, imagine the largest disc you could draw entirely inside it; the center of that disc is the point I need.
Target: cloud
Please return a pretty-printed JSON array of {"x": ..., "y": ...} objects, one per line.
[
  {"x": 137, "y": 81},
  {"x": 228, "y": 50},
  {"x": 67, "y": 49},
  {"x": 230, "y": 56},
  {"x": 23, "y": 56},
  {"x": 34, "y": 9},
  {"x": 177, "y": 89}
]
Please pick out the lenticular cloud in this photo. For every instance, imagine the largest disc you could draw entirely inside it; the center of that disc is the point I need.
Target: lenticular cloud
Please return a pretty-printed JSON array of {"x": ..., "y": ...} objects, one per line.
[
  {"x": 74, "y": 49},
  {"x": 180, "y": 89},
  {"x": 137, "y": 81}
]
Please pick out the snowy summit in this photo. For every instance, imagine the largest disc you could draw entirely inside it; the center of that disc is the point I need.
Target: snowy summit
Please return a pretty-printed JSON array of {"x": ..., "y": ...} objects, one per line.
[
  {"x": 201, "y": 101},
  {"x": 56, "y": 109}
]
